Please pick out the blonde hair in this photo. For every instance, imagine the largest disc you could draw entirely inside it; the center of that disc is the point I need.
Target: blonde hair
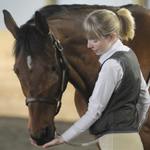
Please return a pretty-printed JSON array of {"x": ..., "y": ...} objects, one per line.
[{"x": 101, "y": 23}]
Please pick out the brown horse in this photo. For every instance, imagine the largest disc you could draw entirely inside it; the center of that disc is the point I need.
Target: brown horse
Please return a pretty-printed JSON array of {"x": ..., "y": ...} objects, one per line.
[{"x": 41, "y": 68}]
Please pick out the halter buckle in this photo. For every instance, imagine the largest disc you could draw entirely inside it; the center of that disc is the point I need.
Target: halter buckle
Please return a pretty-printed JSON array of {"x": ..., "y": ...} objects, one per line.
[{"x": 57, "y": 44}]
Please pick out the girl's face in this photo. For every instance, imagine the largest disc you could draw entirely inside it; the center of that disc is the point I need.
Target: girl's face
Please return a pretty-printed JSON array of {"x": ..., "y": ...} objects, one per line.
[{"x": 100, "y": 46}]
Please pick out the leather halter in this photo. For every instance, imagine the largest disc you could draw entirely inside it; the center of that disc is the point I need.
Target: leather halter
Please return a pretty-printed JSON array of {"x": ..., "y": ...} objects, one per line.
[{"x": 59, "y": 50}]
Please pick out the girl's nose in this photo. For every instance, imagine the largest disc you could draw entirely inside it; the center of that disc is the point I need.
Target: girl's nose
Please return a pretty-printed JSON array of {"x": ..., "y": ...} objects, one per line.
[{"x": 89, "y": 44}]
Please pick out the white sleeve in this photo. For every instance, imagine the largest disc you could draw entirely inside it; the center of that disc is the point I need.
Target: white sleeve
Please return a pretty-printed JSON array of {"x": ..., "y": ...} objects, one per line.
[
  {"x": 108, "y": 79},
  {"x": 143, "y": 102}
]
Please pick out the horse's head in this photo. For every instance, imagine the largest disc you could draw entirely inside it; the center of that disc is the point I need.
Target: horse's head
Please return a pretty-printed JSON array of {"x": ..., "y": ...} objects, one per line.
[{"x": 39, "y": 70}]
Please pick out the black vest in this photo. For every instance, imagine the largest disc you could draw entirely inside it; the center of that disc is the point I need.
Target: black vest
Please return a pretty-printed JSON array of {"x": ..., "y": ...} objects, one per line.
[{"x": 121, "y": 114}]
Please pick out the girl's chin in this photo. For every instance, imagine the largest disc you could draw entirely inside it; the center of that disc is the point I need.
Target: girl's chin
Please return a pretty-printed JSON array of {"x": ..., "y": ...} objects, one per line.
[{"x": 97, "y": 53}]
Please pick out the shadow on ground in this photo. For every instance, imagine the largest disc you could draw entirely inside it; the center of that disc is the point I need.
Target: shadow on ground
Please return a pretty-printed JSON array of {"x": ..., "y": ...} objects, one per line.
[{"x": 14, "y": 135}]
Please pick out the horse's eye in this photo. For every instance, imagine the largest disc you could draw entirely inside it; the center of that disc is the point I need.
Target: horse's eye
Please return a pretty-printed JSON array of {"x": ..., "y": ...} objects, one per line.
[{"x": 53, "y": 68}]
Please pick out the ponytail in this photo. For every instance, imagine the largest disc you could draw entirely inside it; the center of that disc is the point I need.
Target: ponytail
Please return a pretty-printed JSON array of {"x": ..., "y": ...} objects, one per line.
[{"x": 127, "y": 24}]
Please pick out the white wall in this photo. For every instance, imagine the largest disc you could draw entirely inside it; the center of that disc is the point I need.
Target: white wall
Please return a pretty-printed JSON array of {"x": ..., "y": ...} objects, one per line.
[
  {"x": 21, "y": 10},
  {"x": 148, "y": 3},
  {"x": 98, "y": 2}
]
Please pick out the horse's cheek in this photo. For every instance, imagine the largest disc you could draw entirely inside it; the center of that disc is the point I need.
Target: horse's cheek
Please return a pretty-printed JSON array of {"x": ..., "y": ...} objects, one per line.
[{"x": 53, "y": 80}]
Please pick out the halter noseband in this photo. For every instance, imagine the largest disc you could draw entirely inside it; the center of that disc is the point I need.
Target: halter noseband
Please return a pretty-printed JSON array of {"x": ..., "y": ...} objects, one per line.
[{"x": 59, "y": 49}]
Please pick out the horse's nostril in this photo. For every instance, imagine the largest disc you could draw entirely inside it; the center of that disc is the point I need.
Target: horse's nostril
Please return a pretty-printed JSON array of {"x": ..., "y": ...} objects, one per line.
[{"x": 45, "y": 132}]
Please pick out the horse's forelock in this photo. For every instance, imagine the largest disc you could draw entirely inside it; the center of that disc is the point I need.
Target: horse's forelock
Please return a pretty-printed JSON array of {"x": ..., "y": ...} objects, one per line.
[{"x": 29, "y": 40}]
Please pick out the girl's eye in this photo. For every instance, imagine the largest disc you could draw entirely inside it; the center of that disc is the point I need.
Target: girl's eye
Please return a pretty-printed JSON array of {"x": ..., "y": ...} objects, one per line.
[{"x": 94, "y": 41}]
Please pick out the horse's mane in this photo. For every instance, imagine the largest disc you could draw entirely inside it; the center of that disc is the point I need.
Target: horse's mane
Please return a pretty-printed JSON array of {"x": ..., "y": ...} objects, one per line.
[{"x": 54, "y": 10}]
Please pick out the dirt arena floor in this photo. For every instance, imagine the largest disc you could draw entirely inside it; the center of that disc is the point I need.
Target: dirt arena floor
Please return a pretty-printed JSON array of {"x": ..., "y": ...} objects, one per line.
[
  {"x": 15, "y": 136},
  {"x": 14, "y": 113}
]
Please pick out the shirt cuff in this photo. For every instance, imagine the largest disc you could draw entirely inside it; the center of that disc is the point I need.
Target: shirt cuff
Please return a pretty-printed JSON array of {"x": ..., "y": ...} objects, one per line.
[{"x": 69, "y": 134}]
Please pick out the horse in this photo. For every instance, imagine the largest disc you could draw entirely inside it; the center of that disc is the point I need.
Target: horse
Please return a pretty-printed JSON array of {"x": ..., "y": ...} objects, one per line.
[{"x": 44, "y": 65}]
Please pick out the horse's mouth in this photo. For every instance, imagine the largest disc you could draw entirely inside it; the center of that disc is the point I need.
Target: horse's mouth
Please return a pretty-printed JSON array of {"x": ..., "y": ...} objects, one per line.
[{"x": 40, "y": 142}]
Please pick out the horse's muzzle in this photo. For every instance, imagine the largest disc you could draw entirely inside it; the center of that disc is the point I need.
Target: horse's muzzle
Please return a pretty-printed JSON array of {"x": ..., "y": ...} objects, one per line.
[{"x": 45, "y": 137}]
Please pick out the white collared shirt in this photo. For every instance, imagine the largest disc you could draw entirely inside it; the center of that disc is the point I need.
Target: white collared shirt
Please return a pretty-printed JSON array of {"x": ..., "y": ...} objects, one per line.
[{"x": 109, "y": 79}]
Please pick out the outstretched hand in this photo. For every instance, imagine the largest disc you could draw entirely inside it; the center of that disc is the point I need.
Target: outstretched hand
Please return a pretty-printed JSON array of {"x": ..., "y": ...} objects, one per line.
[{"x": 57, "y": 141}]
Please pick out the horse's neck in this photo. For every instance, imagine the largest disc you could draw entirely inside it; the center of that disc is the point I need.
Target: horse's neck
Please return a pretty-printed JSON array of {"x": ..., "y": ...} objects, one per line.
[
  {"x": 83, "y": 73},
  {"x": 83, "y": 66}
]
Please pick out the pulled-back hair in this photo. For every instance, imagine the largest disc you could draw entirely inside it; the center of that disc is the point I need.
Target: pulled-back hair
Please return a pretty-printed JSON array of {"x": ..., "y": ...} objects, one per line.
[{"x": 101, "y": 23}]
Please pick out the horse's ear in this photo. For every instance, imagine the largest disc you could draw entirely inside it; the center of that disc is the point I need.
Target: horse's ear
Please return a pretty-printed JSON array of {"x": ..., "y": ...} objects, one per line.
[
  {"x": 41, "y": 24},
  {"x": 10, "y": 23}
]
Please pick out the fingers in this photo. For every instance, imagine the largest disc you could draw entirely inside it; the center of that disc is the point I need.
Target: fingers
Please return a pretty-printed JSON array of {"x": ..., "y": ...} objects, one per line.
[
  {"x": 56, "y": 141},
  {"x": 33, "y": 142}
]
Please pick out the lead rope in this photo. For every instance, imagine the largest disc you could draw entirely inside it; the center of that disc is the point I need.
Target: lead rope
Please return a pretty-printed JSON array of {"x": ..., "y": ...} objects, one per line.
[
  {"x": 80, "y": 144},
  {"x": 83, "y": 144}
]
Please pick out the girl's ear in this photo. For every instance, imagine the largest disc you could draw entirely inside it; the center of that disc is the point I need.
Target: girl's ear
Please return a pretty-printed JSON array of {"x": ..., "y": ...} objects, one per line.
[{"x": 112, "y": 37}]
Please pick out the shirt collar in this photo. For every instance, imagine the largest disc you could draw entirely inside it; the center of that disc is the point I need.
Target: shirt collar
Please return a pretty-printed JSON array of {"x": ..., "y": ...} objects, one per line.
[{"x": 118, "y": 46}]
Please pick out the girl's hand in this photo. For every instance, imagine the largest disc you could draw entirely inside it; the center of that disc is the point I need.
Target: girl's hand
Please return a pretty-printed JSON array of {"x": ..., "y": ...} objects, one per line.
[{"x": 57, "y": 141}]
